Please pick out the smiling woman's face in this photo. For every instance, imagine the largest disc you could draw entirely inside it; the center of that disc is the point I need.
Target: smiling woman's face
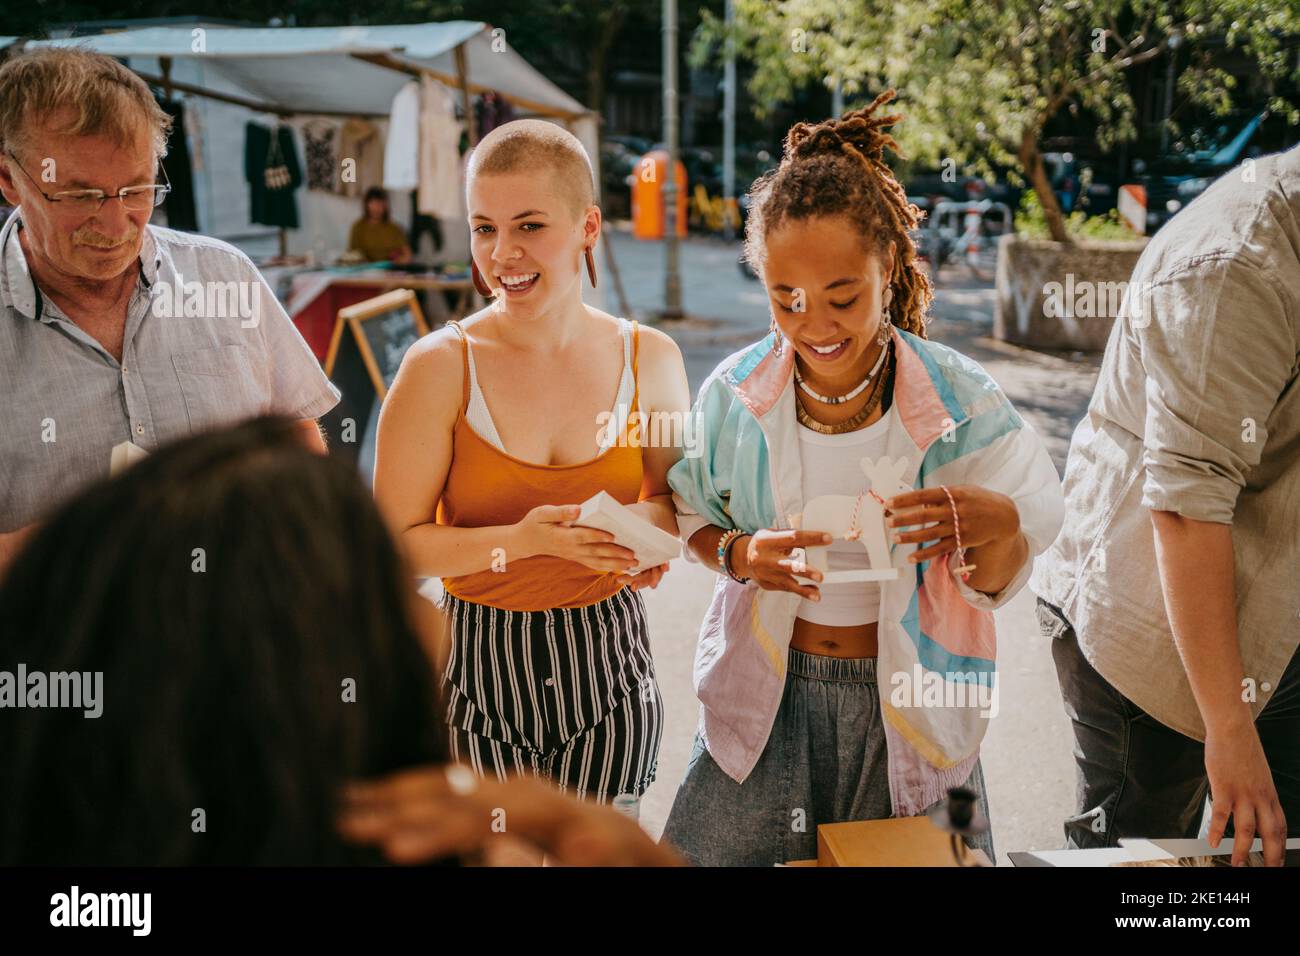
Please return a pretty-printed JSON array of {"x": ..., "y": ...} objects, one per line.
[
  {"x": 528, "y": 240},
  {"x": 826, "y": 291}
]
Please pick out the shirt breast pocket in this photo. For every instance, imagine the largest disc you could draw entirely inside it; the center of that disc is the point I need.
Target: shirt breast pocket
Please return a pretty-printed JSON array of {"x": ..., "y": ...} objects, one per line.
[{"x": 221, "y": 385}]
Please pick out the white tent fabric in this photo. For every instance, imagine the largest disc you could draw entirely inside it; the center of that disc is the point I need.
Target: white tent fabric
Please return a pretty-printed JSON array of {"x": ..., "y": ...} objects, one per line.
[
  {"x": 316, "y": 69},
  {"x": 307, "y": 70}
]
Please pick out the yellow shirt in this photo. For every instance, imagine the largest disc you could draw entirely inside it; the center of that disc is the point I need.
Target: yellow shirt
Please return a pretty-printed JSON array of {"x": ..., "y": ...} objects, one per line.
[{"x": 377, "y": 241}]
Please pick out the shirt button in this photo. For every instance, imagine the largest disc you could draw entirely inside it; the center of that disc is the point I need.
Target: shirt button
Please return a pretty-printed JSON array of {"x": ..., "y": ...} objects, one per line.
[
  {"x": 550, "y": 682},
  {"x": 139, "y": 429}
]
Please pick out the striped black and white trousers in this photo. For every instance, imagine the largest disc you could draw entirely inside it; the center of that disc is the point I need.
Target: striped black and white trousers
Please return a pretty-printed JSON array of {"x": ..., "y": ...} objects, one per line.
[{"x": 569, "y": 694}]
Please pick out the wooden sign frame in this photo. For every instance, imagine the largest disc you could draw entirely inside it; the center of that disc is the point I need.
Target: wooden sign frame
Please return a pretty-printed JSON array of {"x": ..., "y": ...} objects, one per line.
[{"x": 352, "y": 318}]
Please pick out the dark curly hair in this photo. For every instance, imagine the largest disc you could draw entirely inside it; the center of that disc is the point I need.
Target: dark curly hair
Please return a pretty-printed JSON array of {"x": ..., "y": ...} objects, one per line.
[
  {"x": 223, "y": 687},
  {"x": 835, "y": 168}
]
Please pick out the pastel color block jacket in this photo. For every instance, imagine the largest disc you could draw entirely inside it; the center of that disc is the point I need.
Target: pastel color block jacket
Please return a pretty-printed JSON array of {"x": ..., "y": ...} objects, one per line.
[{"x": 955, "y": 426}]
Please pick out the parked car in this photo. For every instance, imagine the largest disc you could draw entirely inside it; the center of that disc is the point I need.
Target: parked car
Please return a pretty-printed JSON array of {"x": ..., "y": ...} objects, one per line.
[
  {"x": 617, "y": 168},
  {"x": 1204, "y": 154}
]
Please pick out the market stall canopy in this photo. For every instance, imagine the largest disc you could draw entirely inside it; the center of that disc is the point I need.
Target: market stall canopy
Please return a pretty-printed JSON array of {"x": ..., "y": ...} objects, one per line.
[{"x": 355, "y": 70}]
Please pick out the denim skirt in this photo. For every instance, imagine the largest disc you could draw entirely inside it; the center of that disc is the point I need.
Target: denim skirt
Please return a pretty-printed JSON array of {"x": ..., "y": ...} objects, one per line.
[{"x": 825, "y": 762}]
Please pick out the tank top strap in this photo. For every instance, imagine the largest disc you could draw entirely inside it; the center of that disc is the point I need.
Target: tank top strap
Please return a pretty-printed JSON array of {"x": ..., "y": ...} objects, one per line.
[
  {"x": 636, "y": 348},
  {"x": 465, "y": 363}
]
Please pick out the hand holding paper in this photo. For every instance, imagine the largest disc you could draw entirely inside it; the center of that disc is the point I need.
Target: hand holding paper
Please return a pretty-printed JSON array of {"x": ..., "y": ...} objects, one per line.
[{"x": 651, "y": 545}]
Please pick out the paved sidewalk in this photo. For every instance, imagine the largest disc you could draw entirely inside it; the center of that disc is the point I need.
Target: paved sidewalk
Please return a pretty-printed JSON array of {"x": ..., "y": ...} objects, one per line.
[{"x": 1027, "y": 753}]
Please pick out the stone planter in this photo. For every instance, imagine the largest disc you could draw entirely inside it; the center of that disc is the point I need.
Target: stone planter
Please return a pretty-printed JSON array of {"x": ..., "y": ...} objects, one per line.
[{"x": 1061, "y": 296}]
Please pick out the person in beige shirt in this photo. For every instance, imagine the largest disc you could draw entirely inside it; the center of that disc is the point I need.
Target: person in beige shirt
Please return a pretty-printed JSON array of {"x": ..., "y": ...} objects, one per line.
[{"x": 1172, "y": 590}]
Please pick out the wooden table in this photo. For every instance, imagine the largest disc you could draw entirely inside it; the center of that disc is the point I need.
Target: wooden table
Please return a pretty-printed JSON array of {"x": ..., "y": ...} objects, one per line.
[{"x": 316, "y": 298}]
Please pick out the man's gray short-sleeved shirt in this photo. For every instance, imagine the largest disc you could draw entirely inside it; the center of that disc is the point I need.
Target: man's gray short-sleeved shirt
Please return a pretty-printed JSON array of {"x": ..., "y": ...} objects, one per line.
[{"x": 206, "y": 344}]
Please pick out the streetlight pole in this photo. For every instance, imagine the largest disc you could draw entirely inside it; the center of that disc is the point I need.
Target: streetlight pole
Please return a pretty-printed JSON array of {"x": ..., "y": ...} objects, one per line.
[
  {"x": 729, "y": 122},
  {"x": 672, "y": 280}
]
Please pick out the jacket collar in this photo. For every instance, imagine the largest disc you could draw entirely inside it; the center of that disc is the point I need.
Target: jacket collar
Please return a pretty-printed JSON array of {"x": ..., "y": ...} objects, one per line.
[{"x": 926, "y": 403}]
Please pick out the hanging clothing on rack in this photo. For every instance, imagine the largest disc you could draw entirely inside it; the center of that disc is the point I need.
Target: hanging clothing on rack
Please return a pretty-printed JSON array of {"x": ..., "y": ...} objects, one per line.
[
  {"x": 319, "y": 143},
  {"x": 360, "y": 142},
  {"x": 492, "y": 110},
  {"x": 179, "y": 204},
  {"x": 402, "y": 151},
  {"x": 440, "y": 191},
  {"x": 273, "y": 173},
  {"x": 420, "y": 224}
]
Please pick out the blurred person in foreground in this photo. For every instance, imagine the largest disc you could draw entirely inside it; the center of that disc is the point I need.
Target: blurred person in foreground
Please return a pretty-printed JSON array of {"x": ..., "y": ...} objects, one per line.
[{"x": 261, "y": 655}]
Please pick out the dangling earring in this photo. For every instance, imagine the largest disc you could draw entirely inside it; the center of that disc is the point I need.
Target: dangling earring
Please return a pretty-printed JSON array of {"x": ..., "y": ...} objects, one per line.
[
  {"x": 886, "y": 319},
  {"x": 481, "y": 287},
  {"x": 778, "y": 340},
  {"x": 591, "y": 268}
]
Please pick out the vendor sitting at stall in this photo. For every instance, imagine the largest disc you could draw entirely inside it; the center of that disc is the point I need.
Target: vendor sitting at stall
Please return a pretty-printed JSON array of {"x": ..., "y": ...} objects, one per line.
[{"x": 375, "y": 235}]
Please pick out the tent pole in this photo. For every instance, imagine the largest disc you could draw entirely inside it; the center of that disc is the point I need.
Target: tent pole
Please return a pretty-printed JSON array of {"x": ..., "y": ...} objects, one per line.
[
  {"x": 462, "y": 76},
  {"x": 253, "y": 105},
  {"x": 624, "y": 308}
]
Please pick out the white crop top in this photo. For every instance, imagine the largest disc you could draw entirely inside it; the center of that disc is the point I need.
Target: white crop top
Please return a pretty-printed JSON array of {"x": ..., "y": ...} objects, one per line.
[
  {"x": 480, "y": 419},
  {"x": 831, "y": 467}
]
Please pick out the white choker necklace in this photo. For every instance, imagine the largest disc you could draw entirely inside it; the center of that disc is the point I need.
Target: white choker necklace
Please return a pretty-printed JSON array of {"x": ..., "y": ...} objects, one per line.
[{"x": 841, "y": 399}]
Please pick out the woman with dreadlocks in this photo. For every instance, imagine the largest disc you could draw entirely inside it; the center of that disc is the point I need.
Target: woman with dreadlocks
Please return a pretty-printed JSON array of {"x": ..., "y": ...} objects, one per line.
[{"x": 828, "y": 701}]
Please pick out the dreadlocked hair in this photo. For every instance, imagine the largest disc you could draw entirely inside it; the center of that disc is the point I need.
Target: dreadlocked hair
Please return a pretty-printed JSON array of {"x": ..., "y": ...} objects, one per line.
[{"x": 836, "y": 168}]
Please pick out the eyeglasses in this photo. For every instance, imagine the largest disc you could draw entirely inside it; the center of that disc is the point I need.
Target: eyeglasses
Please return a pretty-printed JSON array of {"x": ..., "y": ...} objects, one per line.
[{"x": 88, "y": 201}]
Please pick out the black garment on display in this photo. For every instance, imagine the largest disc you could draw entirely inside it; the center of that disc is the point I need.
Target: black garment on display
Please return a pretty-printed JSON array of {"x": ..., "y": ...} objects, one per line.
[
  {"x": 492, "y": 111},
  {"x": 179, "y": 204},
  {"x": 421, "y": 223},
  {"x": 319, "y": 143},
  {"x": 273, "y": 173}
]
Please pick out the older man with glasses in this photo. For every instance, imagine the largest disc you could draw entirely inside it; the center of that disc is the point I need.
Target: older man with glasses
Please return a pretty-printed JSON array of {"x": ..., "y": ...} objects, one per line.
[{"x": 113, "y": 330}]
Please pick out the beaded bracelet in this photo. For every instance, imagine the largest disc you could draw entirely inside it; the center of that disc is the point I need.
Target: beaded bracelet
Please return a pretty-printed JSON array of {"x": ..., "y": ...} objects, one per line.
[{"x": 724, "y": 549}]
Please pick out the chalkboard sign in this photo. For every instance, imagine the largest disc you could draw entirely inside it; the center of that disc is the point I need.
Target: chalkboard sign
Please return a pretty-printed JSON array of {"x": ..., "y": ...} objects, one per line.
[{"x": 369, "y": 341}]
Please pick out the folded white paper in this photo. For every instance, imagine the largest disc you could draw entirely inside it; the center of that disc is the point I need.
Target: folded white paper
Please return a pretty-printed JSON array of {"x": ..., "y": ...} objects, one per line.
[
  {"x": 651, "y": 545},
  {"x": 123, "y": 456}
]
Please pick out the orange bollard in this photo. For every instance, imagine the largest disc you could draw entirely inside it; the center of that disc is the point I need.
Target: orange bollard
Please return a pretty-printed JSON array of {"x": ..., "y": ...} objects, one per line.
[{"x": 648, "y": 197}]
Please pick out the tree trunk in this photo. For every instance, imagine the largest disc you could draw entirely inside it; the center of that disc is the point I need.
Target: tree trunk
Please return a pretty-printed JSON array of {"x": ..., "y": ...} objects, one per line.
[{"x": 1031, "y": 163}]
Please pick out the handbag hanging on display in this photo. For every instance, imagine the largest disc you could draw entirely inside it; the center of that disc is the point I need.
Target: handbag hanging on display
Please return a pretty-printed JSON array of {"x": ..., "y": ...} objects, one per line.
[{"x": 276, "y": 172}]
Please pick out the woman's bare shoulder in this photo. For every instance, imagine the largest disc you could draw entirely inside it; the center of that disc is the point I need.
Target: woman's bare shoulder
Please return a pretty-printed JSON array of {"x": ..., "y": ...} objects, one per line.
[
  {"x": 659, "y": 346},
  {"x": 655, "y": 344},
  {"x": 432, "y": 368}
]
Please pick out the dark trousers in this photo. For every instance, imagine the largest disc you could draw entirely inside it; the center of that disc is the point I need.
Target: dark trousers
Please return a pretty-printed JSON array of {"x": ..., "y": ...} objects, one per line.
[{"x": 1138, "y": 778}]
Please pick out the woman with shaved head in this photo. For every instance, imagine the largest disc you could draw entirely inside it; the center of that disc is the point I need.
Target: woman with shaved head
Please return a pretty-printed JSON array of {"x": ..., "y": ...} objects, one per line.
[{"x": 493, "y": 433}]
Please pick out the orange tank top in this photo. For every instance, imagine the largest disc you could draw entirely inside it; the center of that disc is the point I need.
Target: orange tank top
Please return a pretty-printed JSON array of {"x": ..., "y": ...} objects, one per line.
[{"x": 485, "y": 487}]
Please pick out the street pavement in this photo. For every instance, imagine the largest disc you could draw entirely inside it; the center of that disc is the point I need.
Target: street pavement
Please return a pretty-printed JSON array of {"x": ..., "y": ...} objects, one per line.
[{"x": 1027, "y": 753}]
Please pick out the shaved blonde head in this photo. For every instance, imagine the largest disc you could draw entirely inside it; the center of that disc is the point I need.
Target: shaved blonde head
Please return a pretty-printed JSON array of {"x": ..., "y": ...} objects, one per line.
[{"x": 535, "y": 145}]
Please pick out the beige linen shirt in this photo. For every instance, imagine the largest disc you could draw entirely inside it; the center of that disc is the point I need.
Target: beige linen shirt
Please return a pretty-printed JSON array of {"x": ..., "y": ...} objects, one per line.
[{"x": 1196, "y": 411}]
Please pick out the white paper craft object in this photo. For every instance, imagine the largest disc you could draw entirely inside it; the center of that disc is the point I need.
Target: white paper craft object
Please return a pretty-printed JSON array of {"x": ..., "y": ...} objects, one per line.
[
  {"x": 123, "y": 456},
  {"x": 652, "y": 545},
  {"x": 835, "y": 514}
]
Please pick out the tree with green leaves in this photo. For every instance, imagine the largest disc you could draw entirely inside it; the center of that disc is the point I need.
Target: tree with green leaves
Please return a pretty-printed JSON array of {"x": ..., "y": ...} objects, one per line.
[{"x": 980, "y": 79}]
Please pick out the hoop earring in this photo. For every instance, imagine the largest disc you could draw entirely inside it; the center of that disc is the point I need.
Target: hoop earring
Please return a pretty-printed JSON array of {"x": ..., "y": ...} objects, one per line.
[
  {"x": 778, "y": 340},
  {"x": 481, "y": 287},
  {"x": 591, "y": 267}
]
